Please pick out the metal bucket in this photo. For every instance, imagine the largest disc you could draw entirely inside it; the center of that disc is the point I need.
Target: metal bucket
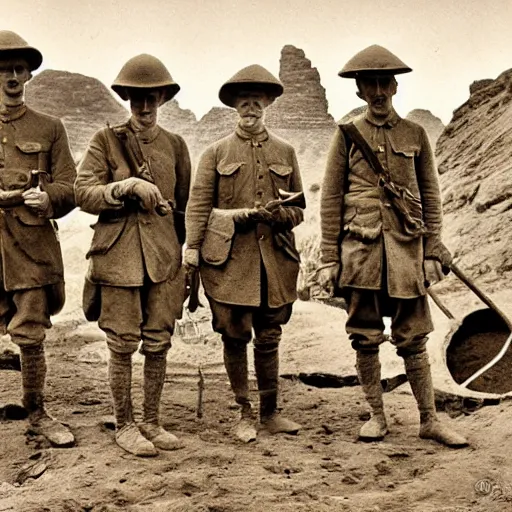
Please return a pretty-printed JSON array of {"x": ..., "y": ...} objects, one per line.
[{"x": 480, "y": 338}]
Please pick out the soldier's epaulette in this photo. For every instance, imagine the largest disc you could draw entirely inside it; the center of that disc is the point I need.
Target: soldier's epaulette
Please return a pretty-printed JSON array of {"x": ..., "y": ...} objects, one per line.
[{"x": 119, "y": 130}]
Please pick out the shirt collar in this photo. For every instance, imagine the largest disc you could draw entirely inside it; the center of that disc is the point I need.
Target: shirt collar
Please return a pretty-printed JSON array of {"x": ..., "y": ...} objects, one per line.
[
  {"x": 145, "y": 135},
  {"x": 11, "y": 114},
  {"x": 388, "y": 122},
  {"x": 255, "y": 138}
]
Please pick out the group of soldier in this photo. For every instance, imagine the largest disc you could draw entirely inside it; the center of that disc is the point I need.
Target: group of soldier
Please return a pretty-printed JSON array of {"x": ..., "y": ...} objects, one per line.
[{"x": 233, "y": 224}]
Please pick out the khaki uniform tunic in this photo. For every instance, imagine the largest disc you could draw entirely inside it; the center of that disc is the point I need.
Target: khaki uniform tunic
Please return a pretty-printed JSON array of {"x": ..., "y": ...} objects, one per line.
[
  {"x": 30, "y": 251},
  {"x": 356, "y": 211},
  {"x": 130, "y": 244},
  {"x": 237, "y": 172}
]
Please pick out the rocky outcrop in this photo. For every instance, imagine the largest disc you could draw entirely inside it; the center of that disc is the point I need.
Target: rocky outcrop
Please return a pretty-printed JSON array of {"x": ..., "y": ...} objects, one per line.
[
  {"x": 355, "y": 112},
  {"x": 83, "y": 103},
  {"x": 476, "y": 177},
  {"x": 303, "y": 104},
  {"x": 432, "y": 124},
  {"x": 215, "y": 124}
]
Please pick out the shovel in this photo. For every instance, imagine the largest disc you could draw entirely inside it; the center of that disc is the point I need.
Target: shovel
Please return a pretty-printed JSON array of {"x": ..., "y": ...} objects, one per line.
[{"x": 476, "y": 319}]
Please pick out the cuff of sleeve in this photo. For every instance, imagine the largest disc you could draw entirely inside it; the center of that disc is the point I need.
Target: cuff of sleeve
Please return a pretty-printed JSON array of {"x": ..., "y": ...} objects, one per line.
[
  {"x": 330, "y": 257},
  {"x": 109, "y": 197}
]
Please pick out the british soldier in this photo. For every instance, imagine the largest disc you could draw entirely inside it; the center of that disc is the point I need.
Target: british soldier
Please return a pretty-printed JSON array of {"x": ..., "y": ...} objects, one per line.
[
  {"x": 245, "y": 248},
  {"x": 36, "y": 186},
  {"x": 378, "y": 253},
  {"x": 136, "y": 178}
]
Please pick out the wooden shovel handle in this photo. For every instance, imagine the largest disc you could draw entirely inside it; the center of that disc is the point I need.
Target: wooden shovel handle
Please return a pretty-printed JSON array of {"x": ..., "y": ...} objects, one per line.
[{"x": 479, "y": 293}]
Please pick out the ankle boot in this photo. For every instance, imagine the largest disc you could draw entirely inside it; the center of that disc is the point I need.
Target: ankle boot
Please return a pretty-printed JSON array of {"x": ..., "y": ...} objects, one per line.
[
  {"x": 33, "y": 375},
  {"x": 235, "y": 361},
  {"x": 266, "y": 363},
  {"x": 417, "y": 369},
  {"x": 127, "y": 435},
  {"x": 368, "y": 371},
  {"x": 154, "y": 378}
]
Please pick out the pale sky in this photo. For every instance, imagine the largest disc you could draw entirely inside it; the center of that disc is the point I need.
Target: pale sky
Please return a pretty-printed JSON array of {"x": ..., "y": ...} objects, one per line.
[{"x": 447, "y": 43}]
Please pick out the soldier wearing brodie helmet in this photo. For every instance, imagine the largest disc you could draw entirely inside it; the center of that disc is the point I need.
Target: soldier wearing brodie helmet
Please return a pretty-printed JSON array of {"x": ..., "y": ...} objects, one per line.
[
  {"x": 136, "y": 178},
  {"x": 240, "y": 236},
  {"x": 381, "y": 243},
  {"x": 36, "y": 186}
]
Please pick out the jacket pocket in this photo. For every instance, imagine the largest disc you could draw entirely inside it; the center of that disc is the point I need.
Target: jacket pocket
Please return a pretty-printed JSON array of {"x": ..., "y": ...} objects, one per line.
[
  {"x": 36, "y": 153},
  {"x": 405, "y": 153},
  {"x": 218, "y": 238},
  {"x": 281, "y": 174},
  {"x": 364, "y": 223},
  {"x": 28, "y": 217},
  {"x": 106, "y": 234},
  {"x": 228, "y": 173}
]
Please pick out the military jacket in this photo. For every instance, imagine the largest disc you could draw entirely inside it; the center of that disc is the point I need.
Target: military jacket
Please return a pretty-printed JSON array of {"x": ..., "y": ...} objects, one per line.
[
  {"x": 30, "y": 250},
  {"x": 239, "y": 172},
  {"x": 130, "y": 245},
  {"x": 360, "y": 227}
]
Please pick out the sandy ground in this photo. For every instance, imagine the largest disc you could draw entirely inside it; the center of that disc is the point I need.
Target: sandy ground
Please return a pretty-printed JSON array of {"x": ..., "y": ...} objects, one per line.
[{"x": 323, "y": 468}]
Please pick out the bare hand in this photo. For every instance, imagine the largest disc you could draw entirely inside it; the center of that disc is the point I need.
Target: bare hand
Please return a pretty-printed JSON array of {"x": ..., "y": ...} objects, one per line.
[
  {"x": 327, "y": 277},
  {"x": 433, "y": 272},
  {"x": 37, "y": 200}
]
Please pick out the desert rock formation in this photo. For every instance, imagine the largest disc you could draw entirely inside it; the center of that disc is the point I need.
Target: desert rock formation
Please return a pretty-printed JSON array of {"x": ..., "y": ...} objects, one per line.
[
  {"x": 474, "y": 158},
  {"x": 432, "y": 124},
  {"x": 303, "y": 104},
  {"x": 83, "y": 103}
]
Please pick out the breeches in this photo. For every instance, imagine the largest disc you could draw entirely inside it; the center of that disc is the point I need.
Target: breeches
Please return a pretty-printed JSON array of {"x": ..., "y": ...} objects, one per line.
[
  {"x": 410, "y": 321},
  {"x": 131, "y": 314},
  {"x": 24, "y": 314},
  {"x": 238, "y": 322}
]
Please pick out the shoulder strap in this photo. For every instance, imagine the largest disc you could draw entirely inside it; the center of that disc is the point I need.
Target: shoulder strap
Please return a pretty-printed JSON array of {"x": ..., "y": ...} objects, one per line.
[
  {"x": 360, "y": 143},
  {"x": 132, "y": 152}
]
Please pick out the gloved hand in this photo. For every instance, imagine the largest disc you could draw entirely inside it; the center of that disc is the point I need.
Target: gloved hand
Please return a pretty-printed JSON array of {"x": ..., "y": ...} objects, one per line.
[
  {"x": 287, "y": 217},
  {"x": 249, "y": 216},
  {"x": 433, "y": 271},
  {"x": 38, "y": 201},
  {"x": 191, "y": 258},
  {"x": 148, "y": 193},
  {"x": 327, "y": 276},
  {"x": 262, "y": 215}
]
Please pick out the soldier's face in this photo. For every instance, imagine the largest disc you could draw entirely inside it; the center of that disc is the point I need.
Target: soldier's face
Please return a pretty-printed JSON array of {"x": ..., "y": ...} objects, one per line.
[
  {"x": 378, "y": 92},
  {"x": 250, "y": 107},
  {"x": 14, "y": 74},
  {"x": 144, "y": 105}
]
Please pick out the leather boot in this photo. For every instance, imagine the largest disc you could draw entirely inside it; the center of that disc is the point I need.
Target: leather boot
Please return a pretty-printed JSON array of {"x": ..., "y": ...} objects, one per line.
[
  {"x": 266, "y": 363},
  {"x": 33, "y": 375},
  {"x": 128, "y": 436},
  {"x": 154, "y": 377},
  {"x": 417, "y": 369},
  {"x": 368, "y": 371},
  {"x": 235, "y": 361}
]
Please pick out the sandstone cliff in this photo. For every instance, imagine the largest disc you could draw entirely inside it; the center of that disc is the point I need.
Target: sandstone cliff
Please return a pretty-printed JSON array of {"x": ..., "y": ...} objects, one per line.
[{"x": 475, "y": 164}]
